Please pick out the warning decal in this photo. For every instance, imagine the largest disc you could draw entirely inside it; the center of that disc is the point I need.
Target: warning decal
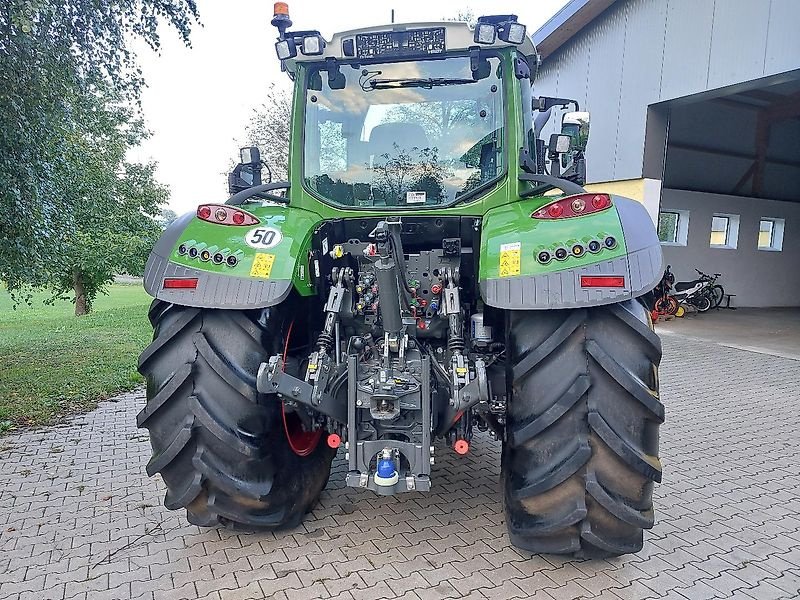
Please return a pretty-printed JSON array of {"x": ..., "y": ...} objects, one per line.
[
  {"x": 510, "y": 259},
  {"x": 262, "y": 265}
]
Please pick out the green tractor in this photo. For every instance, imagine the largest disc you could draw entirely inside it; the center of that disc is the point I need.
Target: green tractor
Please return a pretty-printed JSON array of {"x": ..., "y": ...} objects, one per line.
[{"x": 430, "y": 267}]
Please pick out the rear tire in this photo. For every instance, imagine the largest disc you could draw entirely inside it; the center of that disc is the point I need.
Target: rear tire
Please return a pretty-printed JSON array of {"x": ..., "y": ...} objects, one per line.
[
  {"x": 717, "y": 295},
  {"x": 702, "y": 303},
  {"x": 581, "y": 456},
  {"x": 667, "y": 305},
  {"x": 218, "y": 444}
]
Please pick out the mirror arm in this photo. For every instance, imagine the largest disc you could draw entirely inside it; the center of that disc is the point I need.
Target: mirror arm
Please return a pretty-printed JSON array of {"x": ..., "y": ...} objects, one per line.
[
  {"x": 568, "y": 187},
  {"x": 261, "y": 190},
  {"x": 543, "y": 103}
]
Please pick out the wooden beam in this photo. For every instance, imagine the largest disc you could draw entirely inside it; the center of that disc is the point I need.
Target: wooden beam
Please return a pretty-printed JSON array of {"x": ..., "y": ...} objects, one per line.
[
  {"x": 788, "y": 108},
  {"x": 762, "y": 143},
  {"x": 736, "y": 104},
  {"x": 763, "y": 95},
  {"x": 747, "y": 175},
  {"x": 730, "y": 154}
]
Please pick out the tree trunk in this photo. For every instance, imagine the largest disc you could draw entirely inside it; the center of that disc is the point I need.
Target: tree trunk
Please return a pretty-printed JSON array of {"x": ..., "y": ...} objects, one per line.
[{"x": 81, "y": 302}]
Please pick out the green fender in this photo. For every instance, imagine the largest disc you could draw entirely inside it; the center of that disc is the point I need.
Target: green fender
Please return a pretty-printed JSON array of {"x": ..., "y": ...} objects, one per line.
[
  {"x": 512, "y": 277},
  {"x": 270, "y": 258}
]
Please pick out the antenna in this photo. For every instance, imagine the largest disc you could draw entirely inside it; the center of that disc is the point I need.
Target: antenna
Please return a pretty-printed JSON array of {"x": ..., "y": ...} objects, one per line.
[{"x": 392, "y": 16}]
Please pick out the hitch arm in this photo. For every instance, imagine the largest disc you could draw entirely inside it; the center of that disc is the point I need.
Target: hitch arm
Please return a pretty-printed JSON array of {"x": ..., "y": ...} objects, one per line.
[{"x": 271, "y": 379}]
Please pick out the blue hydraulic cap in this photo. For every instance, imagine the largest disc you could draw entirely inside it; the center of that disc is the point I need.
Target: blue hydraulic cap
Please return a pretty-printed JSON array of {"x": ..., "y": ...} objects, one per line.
[{"x": 386, "y": 468}]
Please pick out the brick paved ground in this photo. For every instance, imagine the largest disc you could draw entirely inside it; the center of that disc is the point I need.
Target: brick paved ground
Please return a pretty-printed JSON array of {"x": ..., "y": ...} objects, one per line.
[{"x": 79, "y": 519}]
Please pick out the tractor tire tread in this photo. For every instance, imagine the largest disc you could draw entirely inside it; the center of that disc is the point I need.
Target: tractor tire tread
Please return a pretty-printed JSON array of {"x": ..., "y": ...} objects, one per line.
[
  {"x": 217, "y": 443},
  {"x": 581, "y": 457}
]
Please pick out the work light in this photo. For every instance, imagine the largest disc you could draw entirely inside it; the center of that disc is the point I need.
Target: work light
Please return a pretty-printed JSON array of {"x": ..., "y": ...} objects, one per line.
[
  {"x": 312, "y": 44},
  {"x": 513, "y": 33},
  {"x": 485, "y": 33},
  {"x": 285, "y": 49}
]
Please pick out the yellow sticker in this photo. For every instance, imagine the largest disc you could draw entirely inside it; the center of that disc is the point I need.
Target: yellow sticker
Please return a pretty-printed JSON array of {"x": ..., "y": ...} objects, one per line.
[
  {"x": 510, "y": 259},
  {"x": 262, "y": 265}
]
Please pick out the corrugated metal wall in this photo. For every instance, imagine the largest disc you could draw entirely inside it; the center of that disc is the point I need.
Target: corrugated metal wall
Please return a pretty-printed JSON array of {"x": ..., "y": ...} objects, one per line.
[{"x": 640, "y": 52}]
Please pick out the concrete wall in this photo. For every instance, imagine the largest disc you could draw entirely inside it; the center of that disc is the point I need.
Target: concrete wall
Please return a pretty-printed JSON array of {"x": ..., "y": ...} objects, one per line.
[
  {"x": 757, "y": 277},
  {"x": 640, "y": 52}
]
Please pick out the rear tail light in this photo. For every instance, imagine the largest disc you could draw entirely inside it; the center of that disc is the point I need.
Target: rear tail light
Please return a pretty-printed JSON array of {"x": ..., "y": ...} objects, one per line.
[
  {"x": 225, "y": 215},
  {"x": 180, "y": 283},
  {"x": 574, "y": 206},
  {"x": 606, "y": 281}
]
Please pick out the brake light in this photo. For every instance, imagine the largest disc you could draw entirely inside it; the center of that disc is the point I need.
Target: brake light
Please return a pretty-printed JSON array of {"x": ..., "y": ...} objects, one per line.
[
  {"x": 573, "y": 206},
  {"x": 180, "y": 283},
  {"x": 225, "y": 215},
  {"x": 607, "y": 281}
]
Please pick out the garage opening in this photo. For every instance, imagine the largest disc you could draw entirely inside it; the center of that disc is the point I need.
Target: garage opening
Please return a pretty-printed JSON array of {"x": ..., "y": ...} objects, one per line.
[{"x": 730, "y": 200}]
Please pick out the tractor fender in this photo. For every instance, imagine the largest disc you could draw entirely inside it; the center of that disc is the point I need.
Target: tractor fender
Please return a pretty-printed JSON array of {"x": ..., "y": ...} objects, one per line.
[
  {"x": 270, "y": 259},
  {"x": 511, "y": 275}
]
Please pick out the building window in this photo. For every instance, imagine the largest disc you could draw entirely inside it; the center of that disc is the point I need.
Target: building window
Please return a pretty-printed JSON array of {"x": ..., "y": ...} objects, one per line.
[
  {"x": 724, "y": 231},
  {"x": 770, "y": 234},
  {"x": 673, "y": 227}
]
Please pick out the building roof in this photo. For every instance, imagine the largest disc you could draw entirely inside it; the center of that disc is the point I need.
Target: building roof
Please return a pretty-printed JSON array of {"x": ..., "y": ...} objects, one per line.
[{"x": 566, "y": 23}]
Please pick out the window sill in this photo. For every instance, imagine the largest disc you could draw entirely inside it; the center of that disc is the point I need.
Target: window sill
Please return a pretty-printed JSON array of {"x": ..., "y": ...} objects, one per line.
[
  {"x": 771, "y": 249},
  {"x": 677, "y": 244},
  {"x": 722, "y": 247}
]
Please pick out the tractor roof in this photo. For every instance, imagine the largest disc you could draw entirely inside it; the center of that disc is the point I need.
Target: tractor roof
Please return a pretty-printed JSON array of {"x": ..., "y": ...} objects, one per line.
[{"x": 459, "y": 36}]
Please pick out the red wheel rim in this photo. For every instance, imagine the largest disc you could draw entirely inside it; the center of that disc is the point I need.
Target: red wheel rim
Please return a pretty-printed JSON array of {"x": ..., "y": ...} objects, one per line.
[{"x": 301, "y": 442}]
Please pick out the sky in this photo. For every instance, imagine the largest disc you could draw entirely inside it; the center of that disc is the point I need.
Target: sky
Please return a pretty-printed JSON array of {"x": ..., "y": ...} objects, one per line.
[{"x": 199, "y": 100}]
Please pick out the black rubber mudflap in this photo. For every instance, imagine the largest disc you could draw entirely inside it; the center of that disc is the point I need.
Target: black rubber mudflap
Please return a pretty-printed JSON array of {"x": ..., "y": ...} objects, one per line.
[
  {"x": 582, "y": 451},
  {"x": 219, "y": 446}
]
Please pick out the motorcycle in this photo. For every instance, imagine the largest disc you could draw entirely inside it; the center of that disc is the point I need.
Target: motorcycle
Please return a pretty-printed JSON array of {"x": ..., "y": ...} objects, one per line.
[
  {"x": 703, "y": 293},
  {"x": 664, "y": 303}
]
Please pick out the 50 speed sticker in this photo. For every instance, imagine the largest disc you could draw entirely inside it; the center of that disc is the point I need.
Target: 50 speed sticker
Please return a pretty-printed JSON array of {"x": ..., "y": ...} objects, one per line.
[
  {"x": 510, "y": 259},
  {"x": 263, "y": 237},
  {"x": 262, "y": 265}
]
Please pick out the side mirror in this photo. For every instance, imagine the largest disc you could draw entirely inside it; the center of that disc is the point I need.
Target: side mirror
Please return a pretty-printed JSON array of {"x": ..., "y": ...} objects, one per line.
[
  {"x": 576, "y": 126},
  {"x": 247, "y": 173}
]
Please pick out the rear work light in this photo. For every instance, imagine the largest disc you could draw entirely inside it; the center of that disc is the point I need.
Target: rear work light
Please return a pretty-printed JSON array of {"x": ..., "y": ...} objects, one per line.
[
  {"x": 602, "y": 281},
  {"x": 574, "y": 206},
  {"x": 180, "y": 283},
  {"x": 225, "y": 215}
]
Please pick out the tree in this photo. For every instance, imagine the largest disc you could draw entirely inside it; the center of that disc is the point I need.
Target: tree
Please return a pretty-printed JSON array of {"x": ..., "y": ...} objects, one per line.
[
  {"x": 269, "y": 129},
  {"x": 57, "y": 58},
  {"x": 166, "y": 217},
  {"x": 115, "y": 206}
]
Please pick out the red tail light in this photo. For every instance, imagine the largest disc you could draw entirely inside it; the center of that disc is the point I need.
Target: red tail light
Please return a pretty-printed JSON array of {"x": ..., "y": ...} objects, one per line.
[
  {"x": 573, "y": 206},
  {"x": 225, "y": 215},
  {"x": 607, "y": 281},
  {"x": 180, "y": 283}
]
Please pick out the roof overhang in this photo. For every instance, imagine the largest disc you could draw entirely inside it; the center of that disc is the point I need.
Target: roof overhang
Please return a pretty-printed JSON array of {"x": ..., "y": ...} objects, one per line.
[{"x": 566, "y": 23}]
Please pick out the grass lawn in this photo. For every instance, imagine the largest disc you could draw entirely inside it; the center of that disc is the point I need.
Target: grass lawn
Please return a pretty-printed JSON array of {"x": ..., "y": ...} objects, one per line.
[{"x": 54, "y": 364}]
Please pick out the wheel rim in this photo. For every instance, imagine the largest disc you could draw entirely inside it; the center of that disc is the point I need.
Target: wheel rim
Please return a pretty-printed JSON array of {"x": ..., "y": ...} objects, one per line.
[
  {"x": 672, "y": 306},
  {"x": 301, "y": 442}
]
